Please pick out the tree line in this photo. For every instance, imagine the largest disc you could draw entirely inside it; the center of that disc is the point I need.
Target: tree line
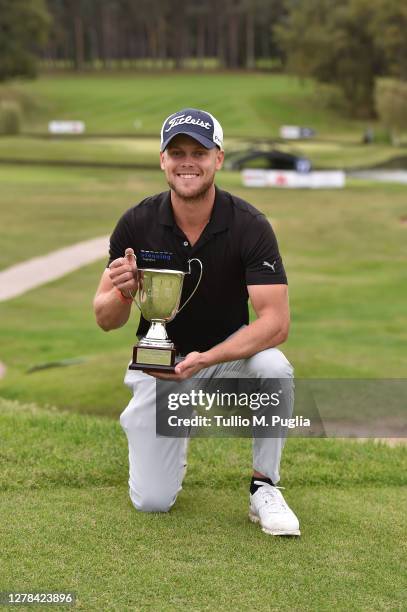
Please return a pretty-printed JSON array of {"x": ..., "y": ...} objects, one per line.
[
  {"x": 348, "y": 43},
  {"x": 88, "y": 33}
]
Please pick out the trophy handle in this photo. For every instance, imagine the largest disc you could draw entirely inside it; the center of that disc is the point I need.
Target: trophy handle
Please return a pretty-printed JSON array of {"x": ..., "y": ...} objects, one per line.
[
  {"x": 138, "y": 288},
  {"x": 135, "y": 300},
  {"x": 197, "y": 285}
]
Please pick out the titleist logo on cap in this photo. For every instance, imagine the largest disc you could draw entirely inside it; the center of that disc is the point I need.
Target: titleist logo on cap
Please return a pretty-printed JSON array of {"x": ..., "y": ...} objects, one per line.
[
  {"x": 197, "y": 124},
  {"x": 188, "y": 119}
]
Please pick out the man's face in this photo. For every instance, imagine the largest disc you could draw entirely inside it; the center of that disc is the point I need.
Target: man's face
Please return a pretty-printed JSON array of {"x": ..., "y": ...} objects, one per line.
[{"x": 190, "y": 168}]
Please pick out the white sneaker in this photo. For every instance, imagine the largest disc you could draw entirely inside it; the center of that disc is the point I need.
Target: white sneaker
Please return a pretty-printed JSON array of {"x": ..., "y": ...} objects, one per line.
[{"x": 268, "y": 507}]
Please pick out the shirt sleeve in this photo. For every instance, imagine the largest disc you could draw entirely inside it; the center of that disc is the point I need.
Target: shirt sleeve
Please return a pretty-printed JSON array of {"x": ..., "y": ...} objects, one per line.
[
  {"x": 121, "y": 238},
  {"x": 261, "y": 257}
]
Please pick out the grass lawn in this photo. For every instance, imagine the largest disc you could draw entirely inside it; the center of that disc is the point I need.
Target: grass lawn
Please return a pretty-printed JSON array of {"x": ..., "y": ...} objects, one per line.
[
  {"x": 129, "y": 151},
  {"x": 67, "y": 523},
  {"x": 143, "y": 152},
  {"x": 344, "y": 251},
  {"x": 66, "y": 520},
  {"x": 248, "y": 105}
]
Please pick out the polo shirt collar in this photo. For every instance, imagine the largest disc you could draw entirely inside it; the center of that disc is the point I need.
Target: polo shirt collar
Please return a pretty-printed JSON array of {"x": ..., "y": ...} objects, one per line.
[{"x": 220, "y": 217}]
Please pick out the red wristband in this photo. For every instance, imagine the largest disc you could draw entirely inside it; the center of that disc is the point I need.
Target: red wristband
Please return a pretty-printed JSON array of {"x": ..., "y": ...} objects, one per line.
[{"x": 123, "y": 298}]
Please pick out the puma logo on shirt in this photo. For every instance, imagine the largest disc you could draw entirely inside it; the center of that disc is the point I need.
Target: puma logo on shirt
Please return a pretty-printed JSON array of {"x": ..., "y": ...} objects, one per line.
[{"x": 269, "y": 265}]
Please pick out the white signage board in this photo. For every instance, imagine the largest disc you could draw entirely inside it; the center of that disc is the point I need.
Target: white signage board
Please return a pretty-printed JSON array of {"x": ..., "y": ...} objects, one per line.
[
  {"x": 296, "y": 132},
  {"x": 66, "y": 127},
  {"x": 290, "y": 132},
  {"x": 331, "y": 179}
]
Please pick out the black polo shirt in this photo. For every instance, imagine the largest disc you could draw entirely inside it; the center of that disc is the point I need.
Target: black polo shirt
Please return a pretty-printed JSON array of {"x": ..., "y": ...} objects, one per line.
[{"x": 237, "y": 248}]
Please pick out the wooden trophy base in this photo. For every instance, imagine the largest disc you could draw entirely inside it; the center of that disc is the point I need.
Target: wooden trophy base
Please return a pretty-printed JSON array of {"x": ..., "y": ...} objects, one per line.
[{"x": 153, "y": 359}]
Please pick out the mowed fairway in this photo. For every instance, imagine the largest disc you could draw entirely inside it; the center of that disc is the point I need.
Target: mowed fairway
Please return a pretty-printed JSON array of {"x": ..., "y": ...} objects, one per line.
[
  {"x": 67, "y": 522},
  {"x": 123, "y": 113},
  {"x": 248, "y": 105},
  {"x": 344, "y": 251}
]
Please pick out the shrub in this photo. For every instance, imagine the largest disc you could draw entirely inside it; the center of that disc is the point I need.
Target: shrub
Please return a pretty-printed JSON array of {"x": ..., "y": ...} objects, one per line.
[
  {"x": 391, "y": 106},
  {"x": 332, "y": 98},
  {"x": 10, "y": 118}
]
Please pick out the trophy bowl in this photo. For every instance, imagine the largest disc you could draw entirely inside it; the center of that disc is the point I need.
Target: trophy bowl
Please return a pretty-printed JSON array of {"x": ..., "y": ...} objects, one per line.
[
  {"x": 160, "y": 294},
  {"x": 158, "y": 299}
]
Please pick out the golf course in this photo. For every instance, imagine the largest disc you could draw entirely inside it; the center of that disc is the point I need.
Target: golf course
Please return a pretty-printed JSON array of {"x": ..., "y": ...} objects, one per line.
[{"x": 67, "y": 523}]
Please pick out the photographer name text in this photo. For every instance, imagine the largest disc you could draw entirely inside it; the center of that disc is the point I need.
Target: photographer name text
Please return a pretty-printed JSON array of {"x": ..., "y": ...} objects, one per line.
[{"x": 218, "y": 420}]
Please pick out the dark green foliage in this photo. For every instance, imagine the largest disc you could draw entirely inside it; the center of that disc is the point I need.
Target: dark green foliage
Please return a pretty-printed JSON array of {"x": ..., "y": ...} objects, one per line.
[
  {"x": 23, "y": 27},
  {"x": 335, "y": 43},
  {"x": 162, "y": 33},
  {"x": 390, "y": 27},
  {"x": 10, "y": 118},
  {"x": 347, "y": 43},
  {"x": 391, "y": 105}
]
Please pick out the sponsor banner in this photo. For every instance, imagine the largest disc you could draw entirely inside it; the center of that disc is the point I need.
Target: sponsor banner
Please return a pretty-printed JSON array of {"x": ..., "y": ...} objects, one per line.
[
  {"x": 66, "y": 127},
  {"x": 274, "y": 408},
  {"x": 331, "y": 179}
]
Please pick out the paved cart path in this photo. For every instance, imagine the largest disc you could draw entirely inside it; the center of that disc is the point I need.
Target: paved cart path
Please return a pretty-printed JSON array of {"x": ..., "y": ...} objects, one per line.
[{"x": 27, "y": 275}]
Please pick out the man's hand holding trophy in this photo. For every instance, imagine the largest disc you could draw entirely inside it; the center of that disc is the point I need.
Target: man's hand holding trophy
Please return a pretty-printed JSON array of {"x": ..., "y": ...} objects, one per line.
[
  {"x": 124, "y": 274},
  {"x": 157, "y": 294}
]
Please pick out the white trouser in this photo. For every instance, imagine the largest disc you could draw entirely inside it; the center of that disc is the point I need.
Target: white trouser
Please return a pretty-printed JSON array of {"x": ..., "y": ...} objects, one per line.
[{"x": 157, "y": 464}]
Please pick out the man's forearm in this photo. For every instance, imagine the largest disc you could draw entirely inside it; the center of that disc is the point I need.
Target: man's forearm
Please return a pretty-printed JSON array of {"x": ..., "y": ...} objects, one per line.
[
  {"x": 110, "y": 311},
  {"x": 261, "y": 334}
]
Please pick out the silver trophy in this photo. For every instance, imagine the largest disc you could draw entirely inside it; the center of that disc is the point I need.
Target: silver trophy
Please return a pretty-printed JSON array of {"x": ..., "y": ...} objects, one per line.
[{"x": 158, "y": 299}]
